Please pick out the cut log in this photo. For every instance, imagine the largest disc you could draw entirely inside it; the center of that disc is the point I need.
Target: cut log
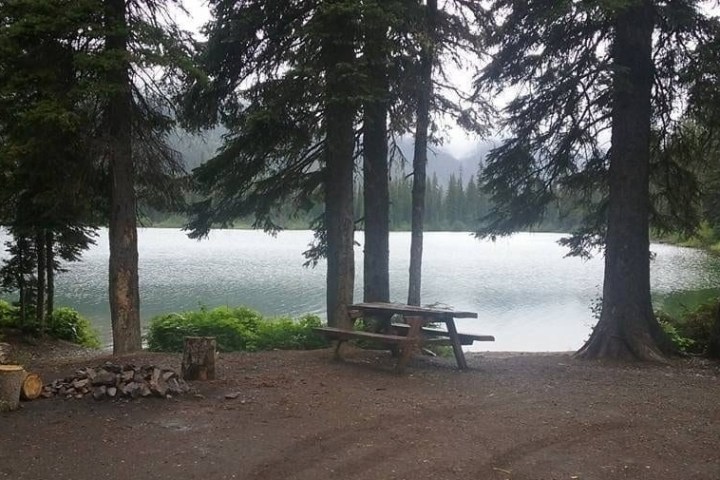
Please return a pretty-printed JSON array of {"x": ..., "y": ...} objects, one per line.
[
  {"x": 4, "y": 352},
  {"x": 31, "y": 387},
  {"x": 199, "y": 358},
  {"x": 11, "y": 380}
]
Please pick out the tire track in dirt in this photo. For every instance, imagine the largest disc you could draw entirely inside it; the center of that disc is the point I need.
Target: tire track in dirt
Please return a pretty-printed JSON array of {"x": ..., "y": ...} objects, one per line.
[
  {"x": 506, "y": 464},
  {"x": 318, "y": 455}
]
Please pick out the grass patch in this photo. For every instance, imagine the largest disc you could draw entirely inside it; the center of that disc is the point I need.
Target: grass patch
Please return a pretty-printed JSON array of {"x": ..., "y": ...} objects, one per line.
[{"x": 236, "y": 329}]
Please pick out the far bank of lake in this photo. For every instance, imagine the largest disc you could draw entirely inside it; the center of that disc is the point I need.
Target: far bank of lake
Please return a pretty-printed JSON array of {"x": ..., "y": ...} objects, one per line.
[{"x": 526, "y": 292}]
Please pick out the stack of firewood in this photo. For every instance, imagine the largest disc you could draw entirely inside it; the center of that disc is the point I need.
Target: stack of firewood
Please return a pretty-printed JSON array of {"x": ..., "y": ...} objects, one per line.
[{"x": 118, "y": 381}]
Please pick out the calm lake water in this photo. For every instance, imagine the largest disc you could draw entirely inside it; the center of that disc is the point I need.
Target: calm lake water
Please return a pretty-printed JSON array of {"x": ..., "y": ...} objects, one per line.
[{"x": 525, "y": 292}]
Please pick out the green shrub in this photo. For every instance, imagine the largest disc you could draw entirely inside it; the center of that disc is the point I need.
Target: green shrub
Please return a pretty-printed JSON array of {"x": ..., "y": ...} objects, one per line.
[
  {"x": 8, "y": 314},
  {"x": 698, "y": 325},
  {"x": 693, "y": 331},
  {"x": 67, "y": 324},
  {"x": 668, "y": 324},
  {"x": 236, "y": 329}
]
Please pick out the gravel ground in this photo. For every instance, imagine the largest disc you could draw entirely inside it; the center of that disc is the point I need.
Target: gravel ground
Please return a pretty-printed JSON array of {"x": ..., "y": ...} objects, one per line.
[{"x": 301, "y": 415}]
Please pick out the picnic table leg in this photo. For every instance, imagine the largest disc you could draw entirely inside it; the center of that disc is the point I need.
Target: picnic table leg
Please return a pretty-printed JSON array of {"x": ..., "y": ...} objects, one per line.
[
  {"x": 413, "y": 342},
  {"x": 455, "y": 339},
  {"x": 338, "y": 354}
]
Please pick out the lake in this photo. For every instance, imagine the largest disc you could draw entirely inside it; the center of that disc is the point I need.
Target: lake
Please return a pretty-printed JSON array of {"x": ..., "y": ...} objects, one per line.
[{"x": 525, "y": 291}]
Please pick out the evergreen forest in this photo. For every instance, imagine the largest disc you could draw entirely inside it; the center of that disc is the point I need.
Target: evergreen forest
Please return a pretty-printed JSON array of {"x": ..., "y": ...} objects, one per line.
[{"x": 606, "y": 115}]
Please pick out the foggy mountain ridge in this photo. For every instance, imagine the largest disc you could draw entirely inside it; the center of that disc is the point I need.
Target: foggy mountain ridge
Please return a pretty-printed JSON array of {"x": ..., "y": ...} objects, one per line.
[{"x": 196, "y": 149}]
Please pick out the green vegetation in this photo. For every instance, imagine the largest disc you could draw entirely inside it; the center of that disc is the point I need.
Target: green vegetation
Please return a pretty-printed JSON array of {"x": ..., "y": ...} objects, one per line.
[
  {"x": 236, "y": 329},
  {"x": 692, "y": 332},
  {"x": 65, "y": 324},
  {"x": 706, "y": 237}
]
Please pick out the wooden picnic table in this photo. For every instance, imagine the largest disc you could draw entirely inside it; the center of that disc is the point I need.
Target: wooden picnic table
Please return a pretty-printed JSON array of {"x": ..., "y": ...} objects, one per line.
[{"x": 412, "y": 333}]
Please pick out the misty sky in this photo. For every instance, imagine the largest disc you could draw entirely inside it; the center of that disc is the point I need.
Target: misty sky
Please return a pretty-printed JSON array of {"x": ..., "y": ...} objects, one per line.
[{"x": 458, "y": 143}]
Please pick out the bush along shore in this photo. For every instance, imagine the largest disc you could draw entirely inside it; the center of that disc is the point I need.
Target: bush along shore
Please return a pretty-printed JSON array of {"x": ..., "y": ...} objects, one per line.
[
  {"x": 64, "y": 324},
  {"x": 697, "y": 332},
  {"x": 236, "y": 329}
]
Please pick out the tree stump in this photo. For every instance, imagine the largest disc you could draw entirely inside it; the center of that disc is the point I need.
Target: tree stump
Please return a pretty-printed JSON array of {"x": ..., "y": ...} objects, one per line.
[
  {"x": 31, "y": 387},
  {"x": 199, "y": 358},
  {"x": 11, "y": 379},
  {"x": 4, "y": 353}
]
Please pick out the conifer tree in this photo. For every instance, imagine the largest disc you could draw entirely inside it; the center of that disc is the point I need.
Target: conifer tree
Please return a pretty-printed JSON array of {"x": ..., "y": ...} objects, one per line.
[
  {"x": 593, "y": 70},
  {"x": 283, "y": 81},
  {"x": 139, "y": 39},
  {"x": 85, "y": 108},
  {"x": 378, "y": 17},
  {"x": 49, "y": 184}
]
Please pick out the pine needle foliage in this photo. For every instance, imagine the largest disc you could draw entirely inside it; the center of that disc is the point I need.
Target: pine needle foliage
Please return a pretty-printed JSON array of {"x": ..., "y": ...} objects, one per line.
[{"x": 557, "y": 56}]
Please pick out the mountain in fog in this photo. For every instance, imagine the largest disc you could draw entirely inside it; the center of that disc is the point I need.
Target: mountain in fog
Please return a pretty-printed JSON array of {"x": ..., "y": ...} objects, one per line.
[
  {"x": 441, "y": 162},
  {"x": 198, "y": 148}
]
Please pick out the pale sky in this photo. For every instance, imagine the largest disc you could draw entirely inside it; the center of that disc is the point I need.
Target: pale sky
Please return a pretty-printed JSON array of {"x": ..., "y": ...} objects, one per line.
[{"x": 458, "y": 142}]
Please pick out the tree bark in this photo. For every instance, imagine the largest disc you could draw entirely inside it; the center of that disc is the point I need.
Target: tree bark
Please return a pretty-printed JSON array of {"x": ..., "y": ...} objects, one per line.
[
  {"x": 713, "y": 350},
  {"x": 11, "y": 379},
  {"x": 50, "y": 273},
  {"x": 40, "y": 285},
  {"x": 198, "y": 361},
  {"x": 338, "y": 58},
  {"x": 376, "y": 182},
  {"x": 123, "y": 282},
  {"x": 425, "y": 92},
  {"x": 627, "y": 328}
]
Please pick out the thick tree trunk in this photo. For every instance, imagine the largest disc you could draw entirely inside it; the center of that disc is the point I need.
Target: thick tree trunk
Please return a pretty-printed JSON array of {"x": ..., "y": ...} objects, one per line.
[
  {"x": 124, "y": 290},
  {"x": 627, "y": 328},
  {"x": 376, "y": 182},
  {"x": 339, "y": 57},
  {"x": 420, "y": 157},
  {"x": 50, "y": 273},
  {"x": 40, "y": 286}
]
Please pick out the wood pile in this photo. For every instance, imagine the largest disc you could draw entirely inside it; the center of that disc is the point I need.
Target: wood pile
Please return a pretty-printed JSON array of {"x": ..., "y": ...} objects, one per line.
[{"x": 118, "y": 381}]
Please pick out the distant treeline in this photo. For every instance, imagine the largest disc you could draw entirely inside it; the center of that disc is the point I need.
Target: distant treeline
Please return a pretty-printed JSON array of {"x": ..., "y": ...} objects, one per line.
[{"x": 458, "y": 206}]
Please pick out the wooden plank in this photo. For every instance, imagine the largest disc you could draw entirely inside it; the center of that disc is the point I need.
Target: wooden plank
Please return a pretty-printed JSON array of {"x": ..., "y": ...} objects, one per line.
[
  {"x": 475, "y": 338},
  {"x": 465, "y": 338},
  {"x": 344, "y": 334},
  {"x": 402, "y": 309}
]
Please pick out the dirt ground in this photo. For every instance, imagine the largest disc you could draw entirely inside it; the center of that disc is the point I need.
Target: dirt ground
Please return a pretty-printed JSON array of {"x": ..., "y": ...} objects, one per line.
[{"x": 301, "y": 415}]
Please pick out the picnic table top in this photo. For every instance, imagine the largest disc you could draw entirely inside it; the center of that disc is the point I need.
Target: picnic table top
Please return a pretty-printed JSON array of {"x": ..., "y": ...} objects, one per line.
[{"x": 402, "y": 309}]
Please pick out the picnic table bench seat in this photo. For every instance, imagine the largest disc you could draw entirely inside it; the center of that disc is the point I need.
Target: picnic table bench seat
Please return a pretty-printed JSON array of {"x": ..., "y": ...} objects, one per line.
[
  {"x": 435, "y": 334},
  {"x": 345, "y": 334}
]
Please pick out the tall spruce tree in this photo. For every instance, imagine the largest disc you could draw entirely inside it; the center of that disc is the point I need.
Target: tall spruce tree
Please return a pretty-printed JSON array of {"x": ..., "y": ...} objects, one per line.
[
  {"x": 378, "y": 17},
  {"x": 124, "y": 286},
  {"x": 446, "y": 36},
  {"x": 283, "y": 79},
  {"x": 139, "y": 39},
  {"x": 422, "y": 128},
  {"x": 49, "y": 185},
  {"x": 83, "y": 86},
  {"x": 338, "y": 23},
  {"x": 586, "y": 71}
]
